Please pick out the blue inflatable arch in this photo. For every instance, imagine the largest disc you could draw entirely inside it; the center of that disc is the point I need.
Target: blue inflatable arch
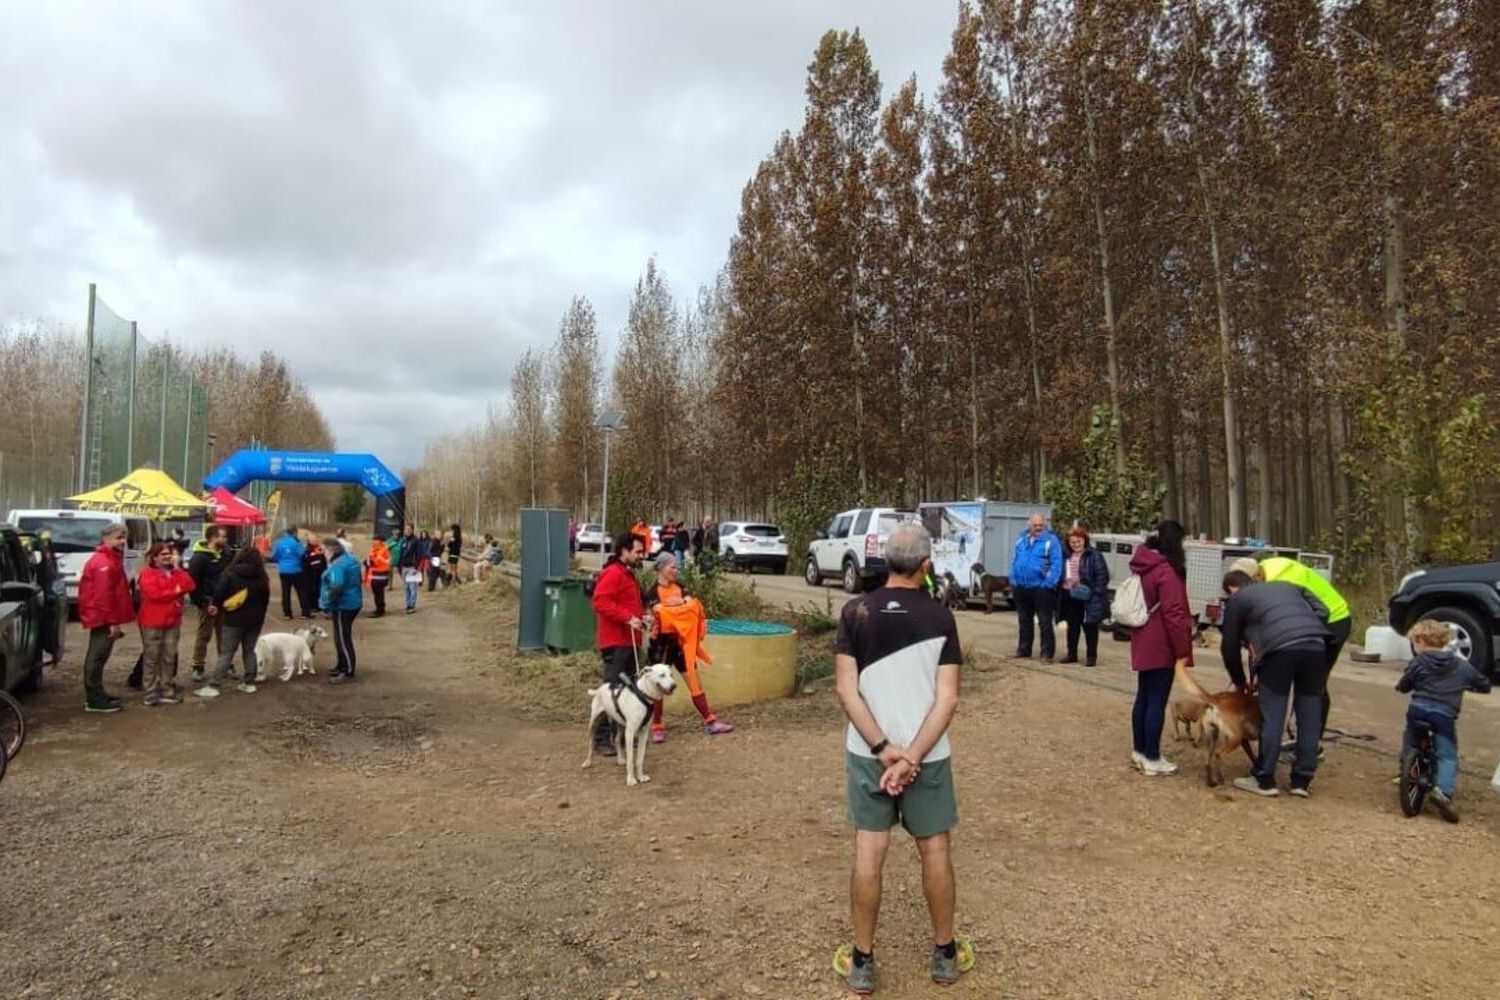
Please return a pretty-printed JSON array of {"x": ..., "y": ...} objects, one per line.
[{"x": 244, "y": 467}]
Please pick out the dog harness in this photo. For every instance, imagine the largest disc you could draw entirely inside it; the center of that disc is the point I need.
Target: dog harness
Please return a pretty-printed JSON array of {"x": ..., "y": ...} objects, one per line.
[{"x": 625, "y": 682}]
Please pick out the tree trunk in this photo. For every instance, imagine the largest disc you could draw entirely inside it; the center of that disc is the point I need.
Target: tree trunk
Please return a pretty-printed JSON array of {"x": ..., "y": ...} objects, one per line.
[
  {"x": 1263, "y": 527},
  {"x": 1111, "y": 358},
  {"x": 1232, "y": 461},
  {"x": 859, "y": 413}
]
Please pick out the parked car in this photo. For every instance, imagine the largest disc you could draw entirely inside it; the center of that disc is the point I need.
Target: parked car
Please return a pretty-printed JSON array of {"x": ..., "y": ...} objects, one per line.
[
  {"x": 591, "y": 538},
  {"x": 744, "y": 545},
  {"x": 851, "y": 548},
  {"x": 75, "y": 535},
  {"x": 21, "y": 615},
  {"x": 1466, "y": 597}
]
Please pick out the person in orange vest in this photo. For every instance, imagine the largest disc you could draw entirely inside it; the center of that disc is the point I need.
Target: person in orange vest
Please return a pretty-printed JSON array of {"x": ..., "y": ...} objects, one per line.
[
  {"x": 666, "y": 647},
  {"x": 262, "y": 545},
  {"x": 642, "y": 530},
  {"x": 378, "y": 575}
]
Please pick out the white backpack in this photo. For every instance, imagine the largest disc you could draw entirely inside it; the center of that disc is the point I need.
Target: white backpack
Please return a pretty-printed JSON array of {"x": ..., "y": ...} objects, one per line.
[{"x": 1129, "y": 605}]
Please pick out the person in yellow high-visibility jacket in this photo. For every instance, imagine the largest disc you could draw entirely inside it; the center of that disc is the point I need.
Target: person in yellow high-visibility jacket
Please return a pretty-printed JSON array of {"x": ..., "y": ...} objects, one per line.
[{"x": 1279, "y": 568}]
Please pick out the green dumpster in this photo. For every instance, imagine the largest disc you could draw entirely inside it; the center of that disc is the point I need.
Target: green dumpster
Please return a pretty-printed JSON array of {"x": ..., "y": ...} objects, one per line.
[{"x": 569, "y": 625}]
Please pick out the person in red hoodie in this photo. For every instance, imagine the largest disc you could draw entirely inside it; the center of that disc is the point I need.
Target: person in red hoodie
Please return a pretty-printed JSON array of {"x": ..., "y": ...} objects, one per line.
[
  {"x": 1157, "y": 646},
  {"x": 103, "y": 606},
  {"x": 163, "y": 584},
  {"x": 620, "y": 618}
]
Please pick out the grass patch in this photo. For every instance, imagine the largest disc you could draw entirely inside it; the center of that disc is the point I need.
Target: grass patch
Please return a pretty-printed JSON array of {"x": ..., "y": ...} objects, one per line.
[{"x": 811, "y": 620}]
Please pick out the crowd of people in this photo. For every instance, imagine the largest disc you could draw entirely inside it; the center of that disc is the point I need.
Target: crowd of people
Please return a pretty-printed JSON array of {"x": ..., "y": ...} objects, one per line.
[{"x": 230, "y": 592}]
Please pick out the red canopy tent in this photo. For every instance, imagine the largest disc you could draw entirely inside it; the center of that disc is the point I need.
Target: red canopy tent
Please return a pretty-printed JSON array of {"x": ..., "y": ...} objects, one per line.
[{"x": 232, "y": 511}]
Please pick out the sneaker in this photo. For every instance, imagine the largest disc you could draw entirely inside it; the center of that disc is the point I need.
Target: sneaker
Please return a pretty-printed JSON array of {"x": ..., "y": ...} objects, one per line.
[
  {"x": 197, "y": 676},
  {"x": 1137, "y": 760},
  {"x": 1444, "y": 803},
  {"x": 208, "y": 691},
  {"x": 411, "y": 611},
  {"x": 340, "y": 678},
  {"x": 247, "y": 688},
  {"x": 608, "y": 750},
  {"x": 232, "y": 674},
  {"x": 102, "y": 707},
  {"x": 170, "y": 697},
  {"x": 718, "y": 726},
  {"x": 1160, "y": 767},
  {"x": 861, "y": 978},
  {"x": 944, "y": 969},
  {"x": 658, "y": 734},
  {"x": 1300, "y": 791},
  {"x": 1070, "y": 658},
  {"x": 1251, "y": 784},
  {"x": 151, "y": 700},
  {"x": 1092, "y": 661}
]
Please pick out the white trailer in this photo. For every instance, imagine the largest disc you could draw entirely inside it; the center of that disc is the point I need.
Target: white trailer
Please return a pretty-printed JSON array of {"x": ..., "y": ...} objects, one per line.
[
  {"x": 1207, "y": 562},
  {"x": 970, "y": 537}
]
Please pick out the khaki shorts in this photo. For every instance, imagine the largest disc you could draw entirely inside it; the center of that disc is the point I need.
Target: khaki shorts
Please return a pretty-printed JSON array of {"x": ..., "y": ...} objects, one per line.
[{"x": 926, "y": 809}]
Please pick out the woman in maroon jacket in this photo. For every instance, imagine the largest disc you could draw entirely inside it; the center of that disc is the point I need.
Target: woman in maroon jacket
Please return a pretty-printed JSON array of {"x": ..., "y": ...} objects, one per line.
[
  {"x": 163, "y": 584},
  {"x": 1157, "y": 646}
]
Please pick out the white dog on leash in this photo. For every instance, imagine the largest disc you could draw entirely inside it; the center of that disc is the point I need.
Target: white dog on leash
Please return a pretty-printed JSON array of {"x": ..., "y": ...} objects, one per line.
[
  {"x": 628, "y": 704},
  {"x": 293, "y": 652}
]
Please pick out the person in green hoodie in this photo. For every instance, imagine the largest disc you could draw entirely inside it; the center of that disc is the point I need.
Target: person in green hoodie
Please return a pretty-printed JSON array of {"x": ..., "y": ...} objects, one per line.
[{"x": 207, "y": 562}]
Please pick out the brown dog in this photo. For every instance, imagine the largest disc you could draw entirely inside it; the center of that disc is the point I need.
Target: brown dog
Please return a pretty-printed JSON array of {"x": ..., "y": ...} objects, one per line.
[
  {"x": 989, "y": 585},
  {"x": 1230, "y": 719},
  {"x": 1187, "y": 713}
]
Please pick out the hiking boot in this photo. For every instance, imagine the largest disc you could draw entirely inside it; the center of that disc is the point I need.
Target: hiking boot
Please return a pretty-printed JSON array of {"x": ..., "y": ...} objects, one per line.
[
  {"x": 1092, "y": 661},
  {"x": 944, "y": 969},
  {"x": 247, "y": 688},
  {"x": 861, "y": 978},
  {"x": 1070, "y": 658},
  {"x": 197, "y": 676},
  {"x": 1444, "y": 803},
  {"x": 658, "y": 734},
  {"x": 717, "y": 727},
  {"x": 103, "y": 707},
  {"x": 208, "y": 691},
  {"x": 1251, "y": 784},
  {"x": 1160, "y": 767},
  {"x": 151, "y": 700}
]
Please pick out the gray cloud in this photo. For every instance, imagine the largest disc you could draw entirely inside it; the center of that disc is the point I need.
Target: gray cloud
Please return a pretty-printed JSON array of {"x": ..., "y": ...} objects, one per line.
[{"x": 396, "y": 199}]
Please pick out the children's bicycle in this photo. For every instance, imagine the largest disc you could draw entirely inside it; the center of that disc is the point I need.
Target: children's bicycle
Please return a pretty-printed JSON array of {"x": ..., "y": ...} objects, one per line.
[
  {"x": 1418, "y": 770},
  {"x": 12, "y": 730}
]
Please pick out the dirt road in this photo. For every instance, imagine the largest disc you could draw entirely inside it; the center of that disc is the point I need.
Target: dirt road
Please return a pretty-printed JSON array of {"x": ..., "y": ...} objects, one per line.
[{"x": 417, "y": 835}]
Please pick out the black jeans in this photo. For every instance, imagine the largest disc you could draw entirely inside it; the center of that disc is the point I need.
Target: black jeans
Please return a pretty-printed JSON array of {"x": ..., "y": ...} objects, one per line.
[
  {"x": 619, "y": 662},
  {"x": 377, "y": 590},
  {"x": 1072, "y": 612},
  {"x": 1038, "y": 601},
  {"x": 1340, "y": 630},
  {"x": 343, "y": 640},
  {"x": 292, "y": 583},
  {"x": 100, "y": 645},
  {"x": 1152, "y": 688},
  {"x": 1279, "y": 674}
]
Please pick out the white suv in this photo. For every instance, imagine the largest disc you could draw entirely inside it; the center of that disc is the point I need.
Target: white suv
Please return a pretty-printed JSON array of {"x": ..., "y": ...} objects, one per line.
[
  {"x": 746, "y": 545},
  {"x": 852, "y": 547}
]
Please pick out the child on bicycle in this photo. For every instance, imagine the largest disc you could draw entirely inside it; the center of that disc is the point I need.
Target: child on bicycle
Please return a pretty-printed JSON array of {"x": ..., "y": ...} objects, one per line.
[{"x": 1437, "y": 678}]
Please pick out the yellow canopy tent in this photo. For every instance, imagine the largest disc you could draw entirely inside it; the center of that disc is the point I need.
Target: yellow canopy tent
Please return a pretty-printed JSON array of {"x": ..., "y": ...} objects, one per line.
[{"x": 148, "y": 492}]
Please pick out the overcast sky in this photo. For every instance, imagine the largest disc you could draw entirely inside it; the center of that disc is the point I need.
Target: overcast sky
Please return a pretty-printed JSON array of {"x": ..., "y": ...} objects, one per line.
[{"x": 399, "y": 198}]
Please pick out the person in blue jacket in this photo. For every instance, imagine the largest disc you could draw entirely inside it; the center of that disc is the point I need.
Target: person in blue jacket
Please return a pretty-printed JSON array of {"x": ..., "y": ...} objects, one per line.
[
  {"x": 287, "y": 553},
  {"x": 342, "y": 598},
  {"x": 1035, "y": 569}
]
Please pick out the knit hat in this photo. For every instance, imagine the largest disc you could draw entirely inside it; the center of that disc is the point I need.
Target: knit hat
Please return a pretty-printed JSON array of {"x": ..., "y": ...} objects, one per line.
[{"x": 1246, "y": 565}]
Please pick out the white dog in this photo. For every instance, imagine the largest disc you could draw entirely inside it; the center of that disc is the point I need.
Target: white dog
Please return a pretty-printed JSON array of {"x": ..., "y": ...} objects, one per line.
[
  {"x": 293, "y": 652},
  {"x": 629, "y": 705}
]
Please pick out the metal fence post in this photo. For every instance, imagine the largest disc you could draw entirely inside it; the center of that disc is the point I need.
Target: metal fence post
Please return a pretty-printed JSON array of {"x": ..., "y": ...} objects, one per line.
[{"x": 88, "y": 393}]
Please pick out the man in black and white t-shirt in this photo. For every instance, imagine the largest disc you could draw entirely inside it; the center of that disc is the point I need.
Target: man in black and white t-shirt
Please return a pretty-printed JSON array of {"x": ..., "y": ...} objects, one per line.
[{"x": 897, "y": 661}]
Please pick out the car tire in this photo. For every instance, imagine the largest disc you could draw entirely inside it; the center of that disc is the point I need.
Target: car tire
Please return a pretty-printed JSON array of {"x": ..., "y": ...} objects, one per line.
[
  {"x": 810, "y": 574},
  {"x": 1473, "y": 639},
  {"x": 730, "y": 566},
  {"x": 852, "y": 583}
]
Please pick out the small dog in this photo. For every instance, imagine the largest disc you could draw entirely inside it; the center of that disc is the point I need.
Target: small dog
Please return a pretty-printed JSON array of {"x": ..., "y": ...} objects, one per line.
[
  {"x": 629, "y": 706},
  {"x": 989, "y": 585},
  {"x": 293, "y": 652},
  {"x": 1187, "y": 713},
  {"x": 1230, "y": 719}
]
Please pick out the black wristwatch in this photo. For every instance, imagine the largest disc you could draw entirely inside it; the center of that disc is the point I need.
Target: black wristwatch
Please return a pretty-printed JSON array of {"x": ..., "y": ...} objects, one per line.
[{"x": 878, "y": 748}]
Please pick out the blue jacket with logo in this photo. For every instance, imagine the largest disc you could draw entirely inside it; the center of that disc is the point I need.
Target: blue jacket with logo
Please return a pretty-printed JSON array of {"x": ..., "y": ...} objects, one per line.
[
  {"x": 288, "y": 553},
  {"x": 342, "y": 583},
  {"x": 1037, "y": 562}
]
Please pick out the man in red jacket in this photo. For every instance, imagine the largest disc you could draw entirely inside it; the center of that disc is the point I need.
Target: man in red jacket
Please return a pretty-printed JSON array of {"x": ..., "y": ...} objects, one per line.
[
  {"x": 620, "y": 614},
  {"x": 103, "y": 606}
]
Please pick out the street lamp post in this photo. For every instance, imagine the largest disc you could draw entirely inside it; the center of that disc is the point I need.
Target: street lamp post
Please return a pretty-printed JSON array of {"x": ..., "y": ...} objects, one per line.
[{"x": 608, "y": 421}]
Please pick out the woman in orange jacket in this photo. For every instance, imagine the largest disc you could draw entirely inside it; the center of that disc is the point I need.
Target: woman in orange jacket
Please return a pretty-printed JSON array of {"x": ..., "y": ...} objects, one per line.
[
  {"x": 665, "y": 647},
  {"x": 378, "y": 575}
]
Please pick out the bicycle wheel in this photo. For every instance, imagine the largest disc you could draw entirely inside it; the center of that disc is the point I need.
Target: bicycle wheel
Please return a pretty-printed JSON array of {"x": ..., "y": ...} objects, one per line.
[
  {"x": 12, "y": 725},
  {"x": 1413, "y": 788}
]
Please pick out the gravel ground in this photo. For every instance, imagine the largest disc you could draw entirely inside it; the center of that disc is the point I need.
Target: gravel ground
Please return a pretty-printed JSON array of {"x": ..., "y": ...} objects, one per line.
[{"x": 427, "y": 832}]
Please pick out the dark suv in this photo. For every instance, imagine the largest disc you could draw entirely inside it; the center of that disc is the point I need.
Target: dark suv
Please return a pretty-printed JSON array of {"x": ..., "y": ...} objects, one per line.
[
  {"x": 22, "y": 607},
  {"x": 1466, "y": 597}
]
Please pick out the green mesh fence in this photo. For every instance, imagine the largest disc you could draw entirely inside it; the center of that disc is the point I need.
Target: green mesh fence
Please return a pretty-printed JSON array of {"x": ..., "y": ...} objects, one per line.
[{"x": 142, "y": 407}]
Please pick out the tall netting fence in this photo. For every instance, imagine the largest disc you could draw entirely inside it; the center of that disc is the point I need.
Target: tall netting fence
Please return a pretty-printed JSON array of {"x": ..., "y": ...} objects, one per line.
[{"x": 142, "y": 406}]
